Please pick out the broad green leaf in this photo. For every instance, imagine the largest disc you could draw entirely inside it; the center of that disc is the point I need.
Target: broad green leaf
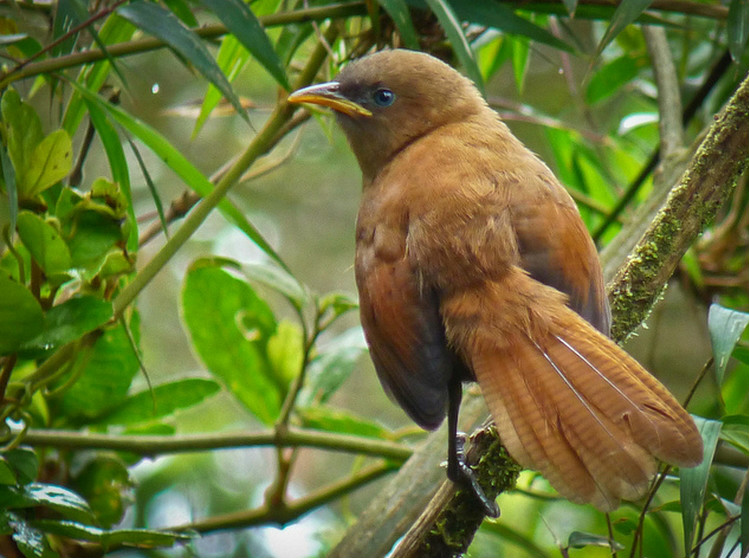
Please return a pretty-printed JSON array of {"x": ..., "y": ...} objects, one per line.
[
  {"x": 694, "y": 479},
  {"x": 163, "y": 400},
  {"x": 277, "y": 279},
  {"x": 31, "y": 542},
  {"x": 334, "y": 364},
  {"x": 182, "y": 167},
  {"x": 454, "y": 31},
  {"x": 21, "y": 316},
  {"x": 580, "y": 539},
  {"x": 25, "y": 463},
  {"x": 286, "y": 351},
  {"x": 332, "y": 419},
  {"x": 44, "y": 243},
  {"x": 70, "y": 320},
  {"x": 243, "y": 24},
  {"x": 230, "y": 326},
  {"x": 738, "y": 27},
  {"x": 66, "y": 502},
  {"x": 626, "y": 12},
  {"x": 9, "y": 183},
  {"x": 105, "y": 372},
  {"x": 141, "y": 538},
  {"x": 95, "y": 234},
  {"x": 736, "y": 431},
  {"x": 498, "y": 16},
  {"x": 7, "y": 474},
  {"x": 104, "y": 482},
  {"x": 183, "y": 11},
  {"x": 50, "y": 162},
  {"x": 399, "y": 13},
  {"x": 164, "y": 25},
  {"x": 23, "y": 130},
  {"x": 726, "y": 326},
  {"x": 611, "y": 77}
]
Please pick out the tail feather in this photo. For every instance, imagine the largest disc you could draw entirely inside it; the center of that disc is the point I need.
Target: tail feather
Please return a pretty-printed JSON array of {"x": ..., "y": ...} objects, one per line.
[{"x": 569, "y": 403}]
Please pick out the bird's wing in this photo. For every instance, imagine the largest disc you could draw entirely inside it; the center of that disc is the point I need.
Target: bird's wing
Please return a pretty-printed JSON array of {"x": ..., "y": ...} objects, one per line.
[
  {"x": 556, "y": 250},
  {"x": 405, "y": 336}
]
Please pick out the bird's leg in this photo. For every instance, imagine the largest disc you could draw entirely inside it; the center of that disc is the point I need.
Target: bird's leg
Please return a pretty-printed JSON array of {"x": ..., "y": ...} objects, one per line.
[{"x": 458, "y": 470}]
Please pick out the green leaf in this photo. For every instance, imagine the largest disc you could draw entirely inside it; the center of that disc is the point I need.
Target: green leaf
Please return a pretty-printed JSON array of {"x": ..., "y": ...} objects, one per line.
[
  {"x": 21, "y": 316},
  {"x": 230, "y": 326},
  {"x": 70, "y": 320},
  {"x": 7, "y": 474},
  {"x": 44, "y": 243},
  {"x": 744, "y": 537},
  {"x": 50, "y": 162},
  {"x": 737, "y": 27},
  {"x": 25, "y": 463},
  {"x": 104, "y": 372},
  {"x": 164, "y": 25},
  {"x": 176, "y": 161},
  {"x": 243, "y": 24},
  {"x": 579, "y": 539},
  {"x": 726, "y": 326},
  {"x": 104, "y": 482},
  {"x": 694, "y": 479},
  {"x": 571, "y": 6},
  {"x": 454, "y": 31},
  {"x": 611, "y": 77},
  {"x": 286, "y": 351},
  {"x": 340, "y": 421},
  {"x": 65, "y": 502},
  {"x": 163, "y": 400},
  {"x": 23, "y": 129},
  {"x": 398, "y": 12},
  {"x": 338, "y": 304},
  {"x": 331, "y": 368},
  {"x": 626, "y": 12},
  {"x": 520, "y": 58},
  {"x": 277, "y": 279},
  {"x": 11, "y": 188},
  {"x": 30, "y": 541},
  {"x": 498, "y": 16},
  {"x": 142, "y": 538}
]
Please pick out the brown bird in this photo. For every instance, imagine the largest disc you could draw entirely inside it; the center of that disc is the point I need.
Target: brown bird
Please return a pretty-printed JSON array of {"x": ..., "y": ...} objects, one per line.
[{"x": 473, "y": 264}]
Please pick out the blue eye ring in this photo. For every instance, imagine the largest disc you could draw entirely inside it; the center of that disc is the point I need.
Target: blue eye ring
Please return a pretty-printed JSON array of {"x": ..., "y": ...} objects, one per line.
[{"x": 383, "y": 97}]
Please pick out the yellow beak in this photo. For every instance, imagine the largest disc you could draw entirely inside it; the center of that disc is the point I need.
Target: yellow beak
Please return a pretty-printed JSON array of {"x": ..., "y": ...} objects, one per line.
[{"x": 328, "y": 95}]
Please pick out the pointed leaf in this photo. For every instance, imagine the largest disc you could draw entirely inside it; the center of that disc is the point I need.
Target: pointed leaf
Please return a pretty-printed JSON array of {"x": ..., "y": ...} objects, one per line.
[
  {"x": 694, "y": 479},
  {"x": 50, "y": 162},
  {"x": 64, "y": 501},
  {"x": 44, "y": 243},
  {"x": 738, "y": 27},
  {"x": 21, "y": 316},
  {"x": 520, "y": 58},
  {"x": 401, "y": 16},
  {"x": 164, "y": 25},
  {"x": 454, "y": 31},
  {"x": 243, "y": 24},
  {"x": 611, "y": 77},
  {"x": 626, "y": 12},
  {"x": 726, "y": 326}
]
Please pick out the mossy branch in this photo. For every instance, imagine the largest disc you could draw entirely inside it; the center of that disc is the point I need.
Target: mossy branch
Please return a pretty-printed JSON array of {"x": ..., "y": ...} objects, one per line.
[{"x": 692, "y": 204}]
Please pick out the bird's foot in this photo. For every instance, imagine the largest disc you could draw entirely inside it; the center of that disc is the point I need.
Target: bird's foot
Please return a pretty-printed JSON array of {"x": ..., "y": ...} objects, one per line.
[{"x": 461, "y": 472}]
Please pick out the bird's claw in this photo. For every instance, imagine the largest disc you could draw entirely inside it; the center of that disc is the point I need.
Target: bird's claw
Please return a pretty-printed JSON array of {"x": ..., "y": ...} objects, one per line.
[{"x": 465, "y": 475}]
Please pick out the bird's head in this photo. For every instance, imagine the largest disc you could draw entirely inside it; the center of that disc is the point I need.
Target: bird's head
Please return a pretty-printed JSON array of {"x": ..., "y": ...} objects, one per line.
[{"x": 388, "y": 99}]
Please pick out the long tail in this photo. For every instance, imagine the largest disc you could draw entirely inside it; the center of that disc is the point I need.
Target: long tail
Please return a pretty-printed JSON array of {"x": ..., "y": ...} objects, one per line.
[{"x": 569, "y": 403}]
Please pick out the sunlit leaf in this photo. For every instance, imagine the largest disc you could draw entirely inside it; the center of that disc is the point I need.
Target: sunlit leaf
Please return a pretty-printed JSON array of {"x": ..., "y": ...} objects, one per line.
[
  {"x": 612, "y": 77},
  {"x": 230, "y": 325},
  {"x": 21, "y": 316},
  {"x": 243, "y": 24},
  {"x": 520, "y": 57},
  {"x": 63, "y": 501},
  {"x": 726, "y": 326},
  {"x": 454, "y": 31},
  {"x": 50, "y": 162},
  {"x": 142, "y": 538},
  {"x": 694, "y": 479},
  {"x": 164, "y": 25},
  {"x": 286, "y": 351}
]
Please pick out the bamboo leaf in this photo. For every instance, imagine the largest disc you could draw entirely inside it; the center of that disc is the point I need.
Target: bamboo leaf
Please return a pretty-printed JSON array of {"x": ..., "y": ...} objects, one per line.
[
  {"x": 164, "y": 25},
  {"x": 240, "y": 20},
  {"x": 454, "y": 31},
  {"x": 738, "y": 27},
  {"x": 626, "y": 12},
  {"x": 726, "y": 326}
]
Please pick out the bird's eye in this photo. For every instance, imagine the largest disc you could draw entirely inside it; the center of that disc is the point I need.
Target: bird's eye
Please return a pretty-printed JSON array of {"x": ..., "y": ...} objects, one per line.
[{"x": 383, "y": 97}]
